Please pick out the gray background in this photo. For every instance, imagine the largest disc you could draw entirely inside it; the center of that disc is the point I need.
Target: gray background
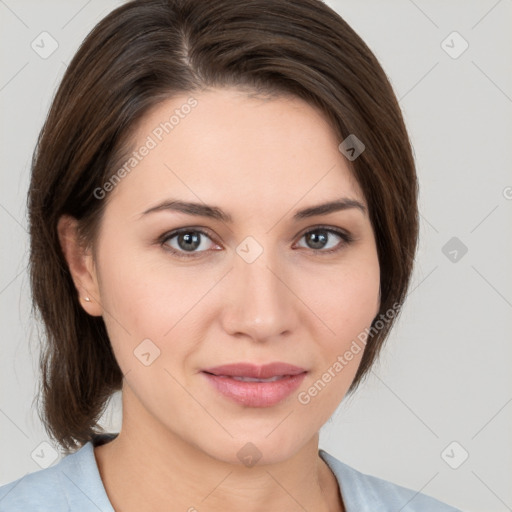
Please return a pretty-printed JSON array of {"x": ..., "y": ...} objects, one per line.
[{"x": 445, "y": 373}]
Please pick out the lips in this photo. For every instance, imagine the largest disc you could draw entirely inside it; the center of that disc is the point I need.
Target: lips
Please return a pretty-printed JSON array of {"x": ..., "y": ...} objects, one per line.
[
  {"x": 255, "y": 386},
  {"x": 252, "y": 371}
]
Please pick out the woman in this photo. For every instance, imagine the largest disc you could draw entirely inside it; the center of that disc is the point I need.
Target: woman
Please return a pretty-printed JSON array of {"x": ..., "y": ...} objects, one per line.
[{"x": 223, "y": 224}]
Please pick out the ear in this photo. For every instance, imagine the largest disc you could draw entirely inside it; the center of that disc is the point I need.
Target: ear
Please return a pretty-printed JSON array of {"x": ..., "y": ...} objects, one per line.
[{"x": 81, "y": 265}]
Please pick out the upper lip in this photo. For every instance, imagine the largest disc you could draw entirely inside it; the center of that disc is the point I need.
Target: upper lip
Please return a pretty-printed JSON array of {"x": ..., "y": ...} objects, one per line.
[{"x": 265, "y": 371}]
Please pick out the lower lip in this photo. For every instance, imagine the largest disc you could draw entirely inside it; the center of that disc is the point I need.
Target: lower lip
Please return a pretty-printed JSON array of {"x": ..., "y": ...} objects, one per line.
[{"x": 256, "y": 394}]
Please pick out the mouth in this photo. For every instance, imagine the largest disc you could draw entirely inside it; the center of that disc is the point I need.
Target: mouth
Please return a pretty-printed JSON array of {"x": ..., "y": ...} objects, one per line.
[
  {"x": 255, "y": 386},
  {"x": 252, "y": 371}
]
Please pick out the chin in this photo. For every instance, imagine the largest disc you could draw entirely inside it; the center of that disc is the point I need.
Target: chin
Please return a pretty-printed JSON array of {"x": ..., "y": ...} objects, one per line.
[{"x": 260, "y": 448}]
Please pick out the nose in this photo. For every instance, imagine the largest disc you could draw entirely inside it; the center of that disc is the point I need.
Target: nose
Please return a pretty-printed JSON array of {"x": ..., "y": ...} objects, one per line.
[{"x": 259, "y": 302}]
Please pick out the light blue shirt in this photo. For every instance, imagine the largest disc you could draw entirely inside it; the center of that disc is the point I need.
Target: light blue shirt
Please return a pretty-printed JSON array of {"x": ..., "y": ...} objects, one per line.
[{"x": 74, "y": 485}]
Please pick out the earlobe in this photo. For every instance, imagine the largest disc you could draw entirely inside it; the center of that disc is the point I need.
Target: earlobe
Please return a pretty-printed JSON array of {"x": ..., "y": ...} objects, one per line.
[{"x": 81, "y": 265}]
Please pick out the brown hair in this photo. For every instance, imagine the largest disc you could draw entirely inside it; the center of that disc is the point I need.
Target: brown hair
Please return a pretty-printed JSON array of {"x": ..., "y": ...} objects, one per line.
[{"x": 149, "y": 50}]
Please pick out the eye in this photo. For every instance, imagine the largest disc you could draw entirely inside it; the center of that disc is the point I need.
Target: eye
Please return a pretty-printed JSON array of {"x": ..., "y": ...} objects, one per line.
[
  {"x": 190, "y": 242},
  {"x": 186, "y": 242},
  {"x": 318, "y": 239}
]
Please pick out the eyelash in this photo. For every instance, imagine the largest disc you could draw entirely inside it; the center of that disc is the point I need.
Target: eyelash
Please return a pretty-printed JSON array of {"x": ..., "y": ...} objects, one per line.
[{"x": 346, "y": 237}]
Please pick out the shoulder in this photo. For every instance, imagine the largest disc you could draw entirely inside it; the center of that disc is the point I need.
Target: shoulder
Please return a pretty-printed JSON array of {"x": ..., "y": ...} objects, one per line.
[
  {"x": 72, "y": 484},
  {"x": 365, "y": 493},
  {"x": 36, "y": 491}
]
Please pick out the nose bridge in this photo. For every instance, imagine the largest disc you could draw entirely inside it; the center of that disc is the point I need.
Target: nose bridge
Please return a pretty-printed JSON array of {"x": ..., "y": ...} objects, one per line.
[{"x": 260, "y": 305}]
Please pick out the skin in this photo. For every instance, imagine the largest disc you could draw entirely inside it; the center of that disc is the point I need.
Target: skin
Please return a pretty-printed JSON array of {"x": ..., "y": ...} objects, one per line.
[{"x": 259, "y": 160}]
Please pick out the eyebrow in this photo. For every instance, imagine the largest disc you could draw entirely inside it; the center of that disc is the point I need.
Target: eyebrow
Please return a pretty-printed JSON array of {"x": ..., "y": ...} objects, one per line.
[{"x": 214, "y": 212}]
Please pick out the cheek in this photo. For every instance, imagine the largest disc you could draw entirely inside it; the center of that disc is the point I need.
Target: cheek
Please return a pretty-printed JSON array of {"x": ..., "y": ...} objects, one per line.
[
  {"x": 144, "y": 297},
  {"x": 357, "y": 298},
  {"x": 345, "y": 302},
  {"x": 344, "y": 299},
  {"x": 347, "y": 305}
]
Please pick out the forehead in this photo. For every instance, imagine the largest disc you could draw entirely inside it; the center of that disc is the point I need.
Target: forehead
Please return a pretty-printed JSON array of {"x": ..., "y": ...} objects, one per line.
[{"x": 222, "y": 145}]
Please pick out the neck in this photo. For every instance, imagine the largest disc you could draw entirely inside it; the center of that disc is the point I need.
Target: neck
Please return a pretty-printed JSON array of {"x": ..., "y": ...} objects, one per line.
[{"x": 147, "y": 467}]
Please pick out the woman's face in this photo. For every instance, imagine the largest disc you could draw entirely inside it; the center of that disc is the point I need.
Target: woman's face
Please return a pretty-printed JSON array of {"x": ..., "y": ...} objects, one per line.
[{"x": 265, "y": 286}]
